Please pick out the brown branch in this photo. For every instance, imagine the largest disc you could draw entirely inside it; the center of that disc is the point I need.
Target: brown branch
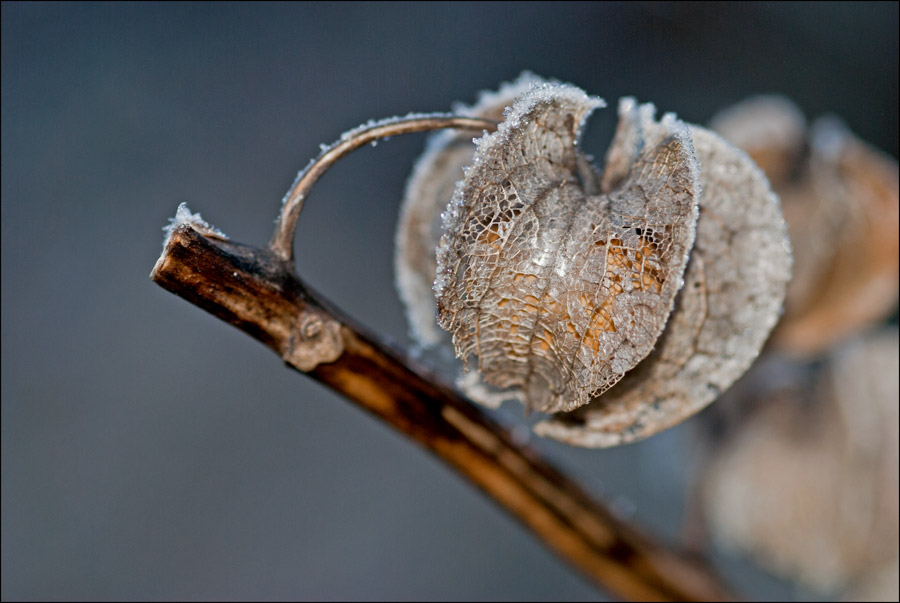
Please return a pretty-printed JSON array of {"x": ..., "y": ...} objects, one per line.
[{"x": 258, "y": 291}]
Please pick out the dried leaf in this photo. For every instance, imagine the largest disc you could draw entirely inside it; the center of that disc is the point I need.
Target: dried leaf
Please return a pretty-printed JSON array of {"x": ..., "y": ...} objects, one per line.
[
  {"x": 557, "y": 292},
  {"x": 734, "y": 288}
]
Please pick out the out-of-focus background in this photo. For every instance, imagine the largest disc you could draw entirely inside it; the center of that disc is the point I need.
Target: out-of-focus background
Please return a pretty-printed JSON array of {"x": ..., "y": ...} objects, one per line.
[{"x": 151, "y": 451}]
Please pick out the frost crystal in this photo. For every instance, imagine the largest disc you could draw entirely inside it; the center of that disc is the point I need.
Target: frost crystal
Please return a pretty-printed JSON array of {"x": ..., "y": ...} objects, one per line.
[
  {"x": 183, "y": 215},
  {"x": 353, "y": 134}
]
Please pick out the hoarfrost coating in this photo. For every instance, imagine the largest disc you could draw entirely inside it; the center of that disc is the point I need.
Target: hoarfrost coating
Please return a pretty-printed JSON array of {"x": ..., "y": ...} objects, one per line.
[
  {"x": 183, "y": 215},
  {"x": 355, "y": 132}
]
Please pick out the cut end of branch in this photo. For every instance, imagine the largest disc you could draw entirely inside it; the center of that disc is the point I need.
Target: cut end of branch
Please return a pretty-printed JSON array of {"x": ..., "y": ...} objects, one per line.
[{"x": 250, "y": 288}]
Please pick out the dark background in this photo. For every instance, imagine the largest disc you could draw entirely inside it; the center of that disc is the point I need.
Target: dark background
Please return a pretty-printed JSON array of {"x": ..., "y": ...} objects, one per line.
[{"x": 151, "y": 451}]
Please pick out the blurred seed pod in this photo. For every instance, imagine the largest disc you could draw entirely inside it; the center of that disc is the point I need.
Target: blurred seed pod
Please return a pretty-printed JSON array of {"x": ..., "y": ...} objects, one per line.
[
  {"x": 561, "y": 282},
  {"x": 879, "y": 584},
  {"x": 808, "y": 482},
  {"x": 840, "y": 199}
]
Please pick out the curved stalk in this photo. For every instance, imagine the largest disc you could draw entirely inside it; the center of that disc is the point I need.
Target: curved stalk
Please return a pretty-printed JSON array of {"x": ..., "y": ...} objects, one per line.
[{"x": 283, "y": 240}]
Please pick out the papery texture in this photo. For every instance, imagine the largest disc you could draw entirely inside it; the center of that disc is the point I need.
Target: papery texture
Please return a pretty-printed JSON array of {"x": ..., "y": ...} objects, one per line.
[
  {"x": 557, "y": 292},
  {"x": 734, "y": 288},
  {"x": 428, "y": 192}
]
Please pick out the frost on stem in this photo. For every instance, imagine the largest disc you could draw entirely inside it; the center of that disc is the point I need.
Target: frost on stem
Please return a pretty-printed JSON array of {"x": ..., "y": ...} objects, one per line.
[
  {"x": 183, "y": 216},
  {"x": 354, "y": 133},
  {"x": 368, "y": 133}
]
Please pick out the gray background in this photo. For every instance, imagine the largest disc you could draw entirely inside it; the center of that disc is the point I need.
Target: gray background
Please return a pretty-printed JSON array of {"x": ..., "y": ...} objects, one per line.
[{"x": 151, "y": 451}]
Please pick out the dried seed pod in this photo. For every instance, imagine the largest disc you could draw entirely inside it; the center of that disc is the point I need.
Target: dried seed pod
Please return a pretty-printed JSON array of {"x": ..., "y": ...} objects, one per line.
[
  {"x": 559, "y": 293},
  {"x": 427, "y": 195},
  {"x": 808, "y": 483},
  {"x": 842, "y": 203},
  {"x": 734, "y": 287},
  {"x": 562, "y": 282}
]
